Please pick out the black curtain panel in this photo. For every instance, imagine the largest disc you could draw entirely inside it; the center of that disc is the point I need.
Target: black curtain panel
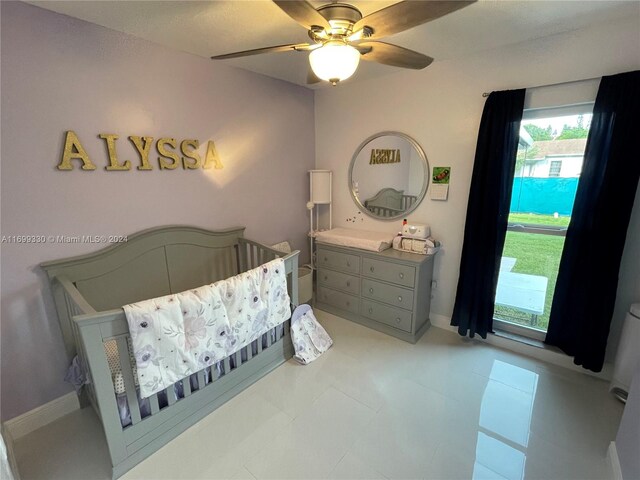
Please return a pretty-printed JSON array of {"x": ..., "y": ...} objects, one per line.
[
  {"x": 588, "y": 277},
  {"x": 487, "y": 212}
]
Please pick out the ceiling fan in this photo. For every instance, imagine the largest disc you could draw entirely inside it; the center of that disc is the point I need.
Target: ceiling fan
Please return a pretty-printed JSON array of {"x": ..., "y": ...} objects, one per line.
[{"x": 341, "y": 35}]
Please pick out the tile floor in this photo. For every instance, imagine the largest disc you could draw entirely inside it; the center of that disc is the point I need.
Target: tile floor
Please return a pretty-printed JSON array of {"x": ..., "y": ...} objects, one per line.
[{"x": 372, "y": 407}]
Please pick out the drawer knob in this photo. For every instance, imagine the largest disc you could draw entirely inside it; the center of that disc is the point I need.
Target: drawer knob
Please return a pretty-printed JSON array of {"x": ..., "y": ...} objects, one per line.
[
  {"x": 371, "y": 290},
  {"x": 398, "y": 320},
  {"x": 348, "y": 303},
  {"x": 401, "y": 275},
  {"x": 348, "y": 284},
  {"x": 325, "y": 277},
  {"x": 348, "y": 264},
  {"x": 399, "y": 298},
  {"x": 371, "y": 268},
  {"x": 325, "y": 259},
  {"x": 370, "y": 310}
]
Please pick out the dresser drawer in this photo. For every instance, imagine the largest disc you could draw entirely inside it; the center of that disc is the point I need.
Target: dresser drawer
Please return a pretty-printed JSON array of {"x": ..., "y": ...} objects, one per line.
[
  {"x": 396, "y": 296},
  {"x": 389, "y": 272},
  {"x": 339, "y": 281},
  {"x": 394, "y": 317},
  {"x": 338, "y": 299},
  {"x": 338, "y": 261}
]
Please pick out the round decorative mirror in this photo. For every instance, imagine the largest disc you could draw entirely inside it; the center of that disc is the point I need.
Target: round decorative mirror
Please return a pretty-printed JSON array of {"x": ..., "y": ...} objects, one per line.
[{"x": 388, "y": 175}]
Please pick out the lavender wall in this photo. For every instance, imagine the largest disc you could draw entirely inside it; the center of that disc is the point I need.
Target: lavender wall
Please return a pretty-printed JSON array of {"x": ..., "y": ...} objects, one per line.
[{"x": 60, "y": 74}]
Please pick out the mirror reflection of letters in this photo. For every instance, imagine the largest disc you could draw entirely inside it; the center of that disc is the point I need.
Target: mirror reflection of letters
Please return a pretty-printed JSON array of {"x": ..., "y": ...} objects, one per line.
[{"x": 389, "y": 175}]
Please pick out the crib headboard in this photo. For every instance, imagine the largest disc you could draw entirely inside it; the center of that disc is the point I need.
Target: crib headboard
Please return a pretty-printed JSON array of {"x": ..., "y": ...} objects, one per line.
[{"x": 152, "y": 263}]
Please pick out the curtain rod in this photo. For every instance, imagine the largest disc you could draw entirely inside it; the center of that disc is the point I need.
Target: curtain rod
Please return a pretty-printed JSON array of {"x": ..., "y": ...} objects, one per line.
[{"x": 486, "y": 94}]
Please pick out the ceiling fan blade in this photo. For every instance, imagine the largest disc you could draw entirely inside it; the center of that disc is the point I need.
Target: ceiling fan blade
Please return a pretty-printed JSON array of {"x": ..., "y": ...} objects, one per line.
[
  {"x": 257, "y": 51},
  {"x": 393, "y": 55},
  {"x": 401, "y": 16},
  {"x": 312, "y": 77},
  {"x": 303, "y": 13}
]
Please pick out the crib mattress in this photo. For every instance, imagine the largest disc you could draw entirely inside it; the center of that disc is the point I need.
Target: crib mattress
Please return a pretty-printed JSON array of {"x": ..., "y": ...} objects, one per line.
[{"x": 363, "y": 239}]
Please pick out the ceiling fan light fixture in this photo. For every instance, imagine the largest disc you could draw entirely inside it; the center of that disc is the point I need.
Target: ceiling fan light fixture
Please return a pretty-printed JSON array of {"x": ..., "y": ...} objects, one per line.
[{"x": 334, "y": 61}]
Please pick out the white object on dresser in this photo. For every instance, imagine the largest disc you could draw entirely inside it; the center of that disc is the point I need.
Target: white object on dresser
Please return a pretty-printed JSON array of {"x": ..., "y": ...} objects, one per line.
[
  {"x": 416, "y": 230},
  {"x": 422, "y": 246},
  {"x": 350, "y": 237},
  {"x": 389, "y": 291}
]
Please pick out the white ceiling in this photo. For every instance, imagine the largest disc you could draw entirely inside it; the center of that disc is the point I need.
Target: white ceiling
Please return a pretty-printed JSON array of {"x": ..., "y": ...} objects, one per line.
[{"x": 207, "y": 28}]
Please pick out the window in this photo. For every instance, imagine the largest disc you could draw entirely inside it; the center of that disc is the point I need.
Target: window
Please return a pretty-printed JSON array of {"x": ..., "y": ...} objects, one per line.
[
  {"x": 554, "y": 168},
  {"x": 548, "y": 166}
]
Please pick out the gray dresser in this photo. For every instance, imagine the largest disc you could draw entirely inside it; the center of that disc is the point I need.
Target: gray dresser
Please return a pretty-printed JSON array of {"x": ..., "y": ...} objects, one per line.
[{"x": 389, "y": 291}]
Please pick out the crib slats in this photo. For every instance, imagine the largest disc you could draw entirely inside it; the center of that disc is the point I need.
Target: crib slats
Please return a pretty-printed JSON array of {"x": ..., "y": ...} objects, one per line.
[
  {"x": 227, "y": 366},
  {"x": 234, "y": 357},
  {"x": 246, "y": 257},
  {"x": 171, "y": 394},
  {"x": 201, "y": 381},
  {"x": 249, "y": 349},
  {"x": 231, "y": 261},
  {"x": 259, "y": 344},
  {"x": 242, "y": 257},
  {"x": 127, "y": 375},
  {"x": 269, "y": 338},
  {"x": 153, "y": 403},
  {"x": 186, "y": 386}
]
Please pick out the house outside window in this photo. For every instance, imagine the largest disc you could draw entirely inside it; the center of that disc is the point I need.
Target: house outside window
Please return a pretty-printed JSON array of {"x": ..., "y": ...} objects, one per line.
[{"x": 554, "y": 168}]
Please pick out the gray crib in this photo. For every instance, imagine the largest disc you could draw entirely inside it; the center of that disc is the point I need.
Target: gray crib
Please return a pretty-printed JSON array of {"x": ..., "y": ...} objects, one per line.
[{"x": 89, "y": 291}]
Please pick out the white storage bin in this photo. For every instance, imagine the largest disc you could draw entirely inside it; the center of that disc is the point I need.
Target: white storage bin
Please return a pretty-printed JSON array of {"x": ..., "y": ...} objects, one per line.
[
  {"x": 628, "y": 355},
  {"x": 305, "y": 285},
  {"x": 305, "y": 276}
]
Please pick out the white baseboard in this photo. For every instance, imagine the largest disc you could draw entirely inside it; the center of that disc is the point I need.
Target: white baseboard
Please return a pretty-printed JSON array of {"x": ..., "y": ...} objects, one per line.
[
  {"x": 614, "y": 462},
  {"x": 40, "y": 416},
  {"x": 545, "y": 354}
]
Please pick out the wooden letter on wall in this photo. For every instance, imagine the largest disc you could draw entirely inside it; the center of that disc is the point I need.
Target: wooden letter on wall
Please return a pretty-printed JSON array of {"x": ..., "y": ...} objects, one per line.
[
  {"x": 111, "y": 138},
  {"x": 143, "y": 150},
  {"x": 161, "y": 146},
  {"x": 192, "y": 154},
  {"x": 74, "y": 149},
  {"x": 212, "y": 159},
  {"x": 169, "y": 155}
]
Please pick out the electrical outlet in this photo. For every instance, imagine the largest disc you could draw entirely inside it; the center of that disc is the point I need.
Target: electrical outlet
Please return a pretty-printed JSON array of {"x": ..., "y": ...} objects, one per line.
[{"x": 434, "y": 284}]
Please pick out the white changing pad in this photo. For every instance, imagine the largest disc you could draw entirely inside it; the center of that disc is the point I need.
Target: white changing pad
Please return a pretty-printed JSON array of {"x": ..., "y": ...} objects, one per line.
[{"x": 364, "y": 239}]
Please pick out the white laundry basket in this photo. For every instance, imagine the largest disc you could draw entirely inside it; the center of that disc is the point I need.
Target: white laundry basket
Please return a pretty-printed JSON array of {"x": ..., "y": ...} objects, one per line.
[
  {"x": 305, "y": 285},
  {"x": 628, "y": 355}
]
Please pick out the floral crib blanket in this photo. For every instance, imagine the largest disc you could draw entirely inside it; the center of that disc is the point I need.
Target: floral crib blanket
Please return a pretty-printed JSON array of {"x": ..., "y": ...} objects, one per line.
[{"x": 177, "y": 335}]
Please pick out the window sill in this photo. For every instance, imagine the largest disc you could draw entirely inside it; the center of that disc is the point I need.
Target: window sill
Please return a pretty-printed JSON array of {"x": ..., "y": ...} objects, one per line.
[
  {"x": 520, "y": 338},
  {"x": 526, "y": 346}
]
